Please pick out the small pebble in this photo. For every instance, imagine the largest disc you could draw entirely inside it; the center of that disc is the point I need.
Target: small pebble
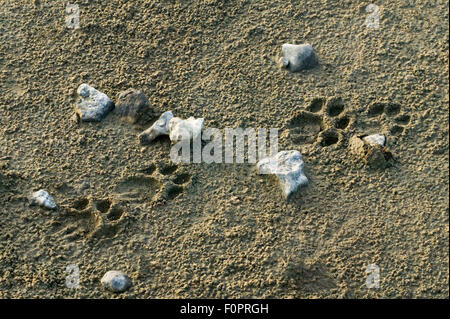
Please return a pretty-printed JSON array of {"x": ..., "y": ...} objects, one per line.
[
  {"x": 93, "y": 105},
  {"x": 43, "y": 199},
  {"x": 375, "y": 139},
  {"x": 131, "y": 105},
  {"x": 297, "y": 57},
  {"x": 116, "y": 281}
]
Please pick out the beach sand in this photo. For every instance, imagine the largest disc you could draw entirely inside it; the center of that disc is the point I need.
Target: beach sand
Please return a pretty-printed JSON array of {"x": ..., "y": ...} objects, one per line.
[{"x": 222, "y": 230}]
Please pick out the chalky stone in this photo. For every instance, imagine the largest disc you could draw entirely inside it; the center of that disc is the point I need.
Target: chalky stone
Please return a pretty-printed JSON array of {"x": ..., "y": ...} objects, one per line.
[
  {"x": 116, "y": 281},
  {"x": 375, "y": 139},
  {"x": 93, "y": 105},
  {"x": 297, "y": 57},
  {"x": 160, "y": 127},
  {"x": 182, "y": 130},
  {"x": 288, "y": 167},
  {"x": 43, "y": 199}
]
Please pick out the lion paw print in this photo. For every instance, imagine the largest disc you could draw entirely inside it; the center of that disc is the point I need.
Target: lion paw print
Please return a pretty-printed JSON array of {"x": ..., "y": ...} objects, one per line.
[
  {"x": 387, "y": 115},
  {"x": 87, "y": 218},
  {"x": 321, "y": 123},
  {"x": 153, "y": 182}
]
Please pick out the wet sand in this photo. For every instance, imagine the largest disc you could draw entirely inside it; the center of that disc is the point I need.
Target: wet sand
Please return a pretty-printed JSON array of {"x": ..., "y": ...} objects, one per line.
[{"x": 215, "y": 230}]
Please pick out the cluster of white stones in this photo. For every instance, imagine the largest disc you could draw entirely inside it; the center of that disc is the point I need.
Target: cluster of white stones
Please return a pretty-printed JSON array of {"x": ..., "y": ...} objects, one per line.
[{"x": 177, "y": 128}]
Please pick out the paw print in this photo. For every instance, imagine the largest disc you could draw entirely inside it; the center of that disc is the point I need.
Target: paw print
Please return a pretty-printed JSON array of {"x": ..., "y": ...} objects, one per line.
[
  {"x": 390, "y": 116},
  {"x": 154, "y": 183},
  {"x": 86, "y": 218},
  {"x": 138, "y": 188},
  {"x": 322, "y": 123}
]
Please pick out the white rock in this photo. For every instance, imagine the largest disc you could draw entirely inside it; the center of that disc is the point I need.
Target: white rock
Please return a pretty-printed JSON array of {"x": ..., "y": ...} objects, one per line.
[
  {"x": 297, "y": 57},
  {"x": 160, "y": 127},
  {"x": 288, "y": 167},
  {"x": 180, "y": 129},
  {"x": 42, "y": 198},
  {"x": 93, "y": 105},
  {"x": 375, "y": 139},
  {"x": 116, "y": 281}
]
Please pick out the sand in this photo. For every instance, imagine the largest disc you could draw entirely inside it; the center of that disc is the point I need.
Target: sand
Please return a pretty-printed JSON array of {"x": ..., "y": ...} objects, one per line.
[{"x": 216, "y": 230}]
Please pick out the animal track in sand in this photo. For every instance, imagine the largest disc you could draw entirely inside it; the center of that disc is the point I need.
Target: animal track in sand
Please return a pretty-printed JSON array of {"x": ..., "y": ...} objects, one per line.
[
  {"x": 87, "y": 218},
  {"x": 168, "y": 169},
  {"x": 182, "y": 178},
  {"x": 137, "y": 188},
  {"x": 305, "y": 126},
  {"x": 392, "y": 112},
  {"x": 322, "y": 122},
  {"x": 154, "y": 182},
  {"x": 307, "y": 278},
  {"x": 316, "y": 105},
  {"x": 325, "y": 121}
]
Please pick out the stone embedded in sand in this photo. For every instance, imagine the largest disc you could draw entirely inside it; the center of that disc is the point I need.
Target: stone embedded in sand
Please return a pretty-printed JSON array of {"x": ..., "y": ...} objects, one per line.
[
  {"x": 182, "y": 130},
  {"x": 43, "y": 199},
  {"x": 116, "y": 281},
  {"x": 371, "y": 149},
  {"x": 288, "y": 167},
  {"x": 93, "y": 105},
  {"x": 297, "y": 57},
  {"x": 375, "y": 139},
  {"x": 160, "y": 127},
  {"x": 131, "y": 105}
]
